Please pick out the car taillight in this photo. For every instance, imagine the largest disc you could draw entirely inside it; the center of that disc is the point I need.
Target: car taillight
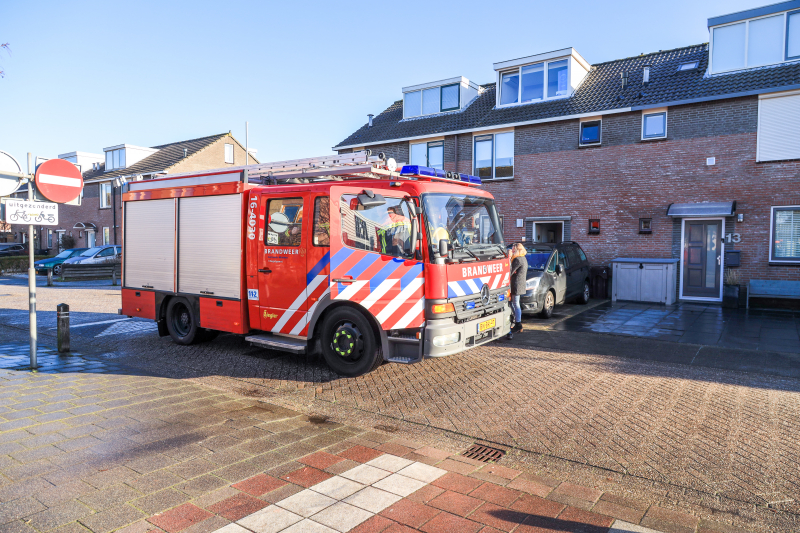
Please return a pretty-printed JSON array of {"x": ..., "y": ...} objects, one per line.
[{"x": 443, "y": 308}]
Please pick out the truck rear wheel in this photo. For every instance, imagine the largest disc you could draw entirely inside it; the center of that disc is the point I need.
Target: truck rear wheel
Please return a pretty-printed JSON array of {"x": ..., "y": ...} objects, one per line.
[
  {"x": 349, "y": 345},
  {"x": 181, "y": 322}
]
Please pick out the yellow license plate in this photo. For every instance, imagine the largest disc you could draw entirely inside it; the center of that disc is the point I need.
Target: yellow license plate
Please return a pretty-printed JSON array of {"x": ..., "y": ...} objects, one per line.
[{"x": 486, "y": 325}]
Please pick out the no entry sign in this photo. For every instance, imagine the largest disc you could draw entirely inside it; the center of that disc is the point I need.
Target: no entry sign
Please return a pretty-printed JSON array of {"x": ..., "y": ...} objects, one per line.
[{"x": 59, "y": 181}]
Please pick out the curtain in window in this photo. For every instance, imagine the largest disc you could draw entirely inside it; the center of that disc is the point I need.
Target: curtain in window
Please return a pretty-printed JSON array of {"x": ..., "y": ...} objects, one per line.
[
  {"x": 765, "y": 41},
  {"x": 728, "y": 47},
  {"x": 786, "y": 234}
]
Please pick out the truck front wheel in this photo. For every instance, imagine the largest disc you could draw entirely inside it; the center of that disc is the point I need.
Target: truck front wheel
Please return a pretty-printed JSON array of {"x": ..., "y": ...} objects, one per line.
[
  {"x": 349, "y": 345},
  {"x": 181, "y": 322}
]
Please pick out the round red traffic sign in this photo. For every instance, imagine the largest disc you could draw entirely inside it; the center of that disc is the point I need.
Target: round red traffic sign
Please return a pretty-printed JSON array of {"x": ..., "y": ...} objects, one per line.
[{"x": 59, "y": 181}]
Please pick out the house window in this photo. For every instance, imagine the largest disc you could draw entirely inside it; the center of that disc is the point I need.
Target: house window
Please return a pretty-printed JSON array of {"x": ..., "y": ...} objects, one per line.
[
  {"x": 785, "y": 245},
  {"x": 430, "y": 154},
  {"x": 105, "y": 195},
  {"x": 793, "y": 35},
  {"x": 49, "y": 238},
  {"x": 115, "y": 159},
  {"x": 654, "y": 125},
  {"x": 645, "y": 225},
  {"x": 755, "y": 42},
  {"x": 284, "y": 222},
  {"x": 777, "y": 116},
  {"x": 494, "y": 156},
  {"x": 431, "y": 101},
  {"x": 591, "y": 132},
  {"x": 106, "y": 235},
  {"x": 691, "y": 65},
  {"x": 384, "y": 229},
  {"x": 527, "y": 83},
  {"x": 594, "y": 226},
  {"x": 229, "y": 153}
]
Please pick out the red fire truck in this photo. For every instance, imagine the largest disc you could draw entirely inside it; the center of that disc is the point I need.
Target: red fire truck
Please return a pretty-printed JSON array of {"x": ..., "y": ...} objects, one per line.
[{"x": 347, "y": 256}]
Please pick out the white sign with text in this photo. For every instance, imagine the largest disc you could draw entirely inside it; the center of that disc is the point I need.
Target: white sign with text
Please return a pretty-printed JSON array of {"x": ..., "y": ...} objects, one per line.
[{"x": 28, "y": 212}]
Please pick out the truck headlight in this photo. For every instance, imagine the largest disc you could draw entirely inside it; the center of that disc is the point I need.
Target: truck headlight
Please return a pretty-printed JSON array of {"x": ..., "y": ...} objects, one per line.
[
  {"x": 532, "y": 284},
  {"x": 445, "y": 340}
]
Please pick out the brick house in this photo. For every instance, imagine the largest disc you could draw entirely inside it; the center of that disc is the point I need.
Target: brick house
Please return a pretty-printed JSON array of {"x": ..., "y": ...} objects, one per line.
[
  {"x": 681, "y": 154},
  {"x": 96, "y": 218}
]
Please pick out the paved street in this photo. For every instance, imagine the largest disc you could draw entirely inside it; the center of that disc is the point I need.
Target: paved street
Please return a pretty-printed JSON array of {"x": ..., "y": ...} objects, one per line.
[{"x": 710, "y": 443}]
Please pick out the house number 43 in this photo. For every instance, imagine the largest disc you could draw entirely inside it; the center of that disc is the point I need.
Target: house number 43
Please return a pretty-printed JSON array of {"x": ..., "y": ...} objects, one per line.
[{"x": 733, "y": 238}]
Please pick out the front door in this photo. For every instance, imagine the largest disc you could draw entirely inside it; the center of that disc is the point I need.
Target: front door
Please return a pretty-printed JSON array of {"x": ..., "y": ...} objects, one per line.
[
  {"x": 702, "y": 258},
  {"x": 90, "y": 239},
  {"x": 282, "y": 265}
]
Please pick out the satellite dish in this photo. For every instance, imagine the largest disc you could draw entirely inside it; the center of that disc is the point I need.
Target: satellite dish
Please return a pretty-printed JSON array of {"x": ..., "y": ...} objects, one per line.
[{"x": 9, "y": 184}]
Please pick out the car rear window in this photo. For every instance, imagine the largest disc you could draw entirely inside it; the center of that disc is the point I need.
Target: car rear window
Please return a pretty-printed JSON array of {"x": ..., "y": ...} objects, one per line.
[
  {"x": 583, "y": 255},
  {"x": 572, "y": 255}
]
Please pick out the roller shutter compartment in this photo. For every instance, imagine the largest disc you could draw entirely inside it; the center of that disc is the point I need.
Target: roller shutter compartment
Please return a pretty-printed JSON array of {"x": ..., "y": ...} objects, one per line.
[
  {"x": 210, "y": 245},
  {"x": 149, "y": 252}
]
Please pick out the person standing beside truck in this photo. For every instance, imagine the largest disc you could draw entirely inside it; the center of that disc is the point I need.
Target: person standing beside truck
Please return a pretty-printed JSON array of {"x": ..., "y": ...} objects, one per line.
[{"x": 519, "y": 273}]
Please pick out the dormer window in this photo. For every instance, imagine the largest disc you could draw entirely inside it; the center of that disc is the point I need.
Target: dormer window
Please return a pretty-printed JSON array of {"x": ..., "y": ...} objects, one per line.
[
  {"x": 541, "y": 77},
  {"x": 744, "y": 40},
  {"x": 115, "y": 159},
  {"x": 438, "y": 97}
]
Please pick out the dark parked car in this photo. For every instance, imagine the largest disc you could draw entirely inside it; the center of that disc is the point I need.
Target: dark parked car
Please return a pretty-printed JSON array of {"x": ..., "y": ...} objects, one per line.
[
  {"x": 11, "y": 249},
  {"x": 55, "y": 262},
  {"x": 556, "y": 273}
]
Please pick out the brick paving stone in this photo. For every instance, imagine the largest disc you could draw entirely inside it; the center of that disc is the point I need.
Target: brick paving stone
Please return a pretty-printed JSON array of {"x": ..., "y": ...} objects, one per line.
[
  {"x": 399, "y": 528},
  {"x": 455, "y": 466},
  {"x": 72, "y": 527},
  {"x": 281, "y": 493},
  {"x": 498, "y": 517},
  {"x": 496, "y": 494},
  {"x": 410, "y": 513},
  {"x": 237, "y": 506},
  {"x": 457, "y": 483},
  {"x": 669, "y": 521},
  {"x": 425, "y": 494},
  {"x": 112, "y": 518},
  {"x": 154, "y": 482},
  {"x": 360, "y": 454},
  {"x": 179, "y": 518},
  {"x": 502, "y": 471},
  {"x": 575, "y": 495},
  {"x": 534, "y": 505},
  {"x": 573, "y": 514},
  {"x": 201, "y": 485},
  {"x": 19, "y": 508},
  {"x": 456, "y": 503},
  {"x": 376, "y": 524},
  {"x": 193, "y": 468},
  {"x": 530, "y": 486},
  {"x": 343, "y": 466},
  {"x": 628, "y": 514},
  {"x": 109, "y": 497},
  {"x": 159, "y": 501},
  {"x": 450, "y": 523},
  {"x": 320, "y": 460},
  {"x": 394, "y": 449},
  {"x": 707, "y": 526},
  {"x": 259, "y": 484},
  {"x": 58, "y": 515},
  {"x": 433, "y": 453}
]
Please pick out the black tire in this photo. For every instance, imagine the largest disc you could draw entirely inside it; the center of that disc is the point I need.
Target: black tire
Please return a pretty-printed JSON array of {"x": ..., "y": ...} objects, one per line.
[
  {"x": 548, "y": 304},
  {"x": 583, "y": 299},
  {"x": 181, "y": 322},
  {"x": 349, "y": 344},
  {"x": 57, "y": 270}
]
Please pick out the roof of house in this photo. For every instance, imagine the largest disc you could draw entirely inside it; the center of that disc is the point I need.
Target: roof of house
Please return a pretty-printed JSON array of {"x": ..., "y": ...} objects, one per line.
[
  {"x": 168, "y": 155},
  {"x": 600, "y": 91}
]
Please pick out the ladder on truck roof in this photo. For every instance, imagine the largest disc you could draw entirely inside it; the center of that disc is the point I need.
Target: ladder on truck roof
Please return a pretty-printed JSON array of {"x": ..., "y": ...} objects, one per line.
[{"x": 356, "y": 165}]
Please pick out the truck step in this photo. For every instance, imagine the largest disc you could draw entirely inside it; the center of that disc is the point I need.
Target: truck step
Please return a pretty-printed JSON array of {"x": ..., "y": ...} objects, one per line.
[{"x": 273, "y": 342}]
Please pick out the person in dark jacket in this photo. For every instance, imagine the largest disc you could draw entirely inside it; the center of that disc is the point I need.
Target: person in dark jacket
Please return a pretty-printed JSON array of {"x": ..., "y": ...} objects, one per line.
[{"x": 519, "y": 273}]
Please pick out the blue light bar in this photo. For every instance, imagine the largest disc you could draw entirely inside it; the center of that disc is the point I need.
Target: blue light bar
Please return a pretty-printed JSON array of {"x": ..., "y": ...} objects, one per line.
[{"x": 418, "y": 170}]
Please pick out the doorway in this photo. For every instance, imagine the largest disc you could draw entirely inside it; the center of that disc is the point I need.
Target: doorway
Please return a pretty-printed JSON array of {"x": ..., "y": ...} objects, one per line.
[
  {"x": 701, "y": 261},
  {"x": 90, "y": 238},
  {"x": 548, "y": 232}
]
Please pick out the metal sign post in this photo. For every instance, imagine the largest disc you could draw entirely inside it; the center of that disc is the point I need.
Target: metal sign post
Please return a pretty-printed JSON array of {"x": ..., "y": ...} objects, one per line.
[{"x": 31, "y": 277}]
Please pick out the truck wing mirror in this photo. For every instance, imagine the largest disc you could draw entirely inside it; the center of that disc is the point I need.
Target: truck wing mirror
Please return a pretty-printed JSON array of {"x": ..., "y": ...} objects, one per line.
[
  {"x": 278, "y": 222},
  {"x": 444, "y": 246},
  {"x": 369, "y": 199}
]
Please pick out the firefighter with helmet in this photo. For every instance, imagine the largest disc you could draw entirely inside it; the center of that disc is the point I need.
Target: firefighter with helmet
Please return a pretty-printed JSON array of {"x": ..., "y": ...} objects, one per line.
[{"x": 394, "y": 236}]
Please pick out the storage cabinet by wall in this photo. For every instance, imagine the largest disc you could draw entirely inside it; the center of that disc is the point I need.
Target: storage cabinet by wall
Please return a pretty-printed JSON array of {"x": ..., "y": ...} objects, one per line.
[{"x": 644, "y": 280}]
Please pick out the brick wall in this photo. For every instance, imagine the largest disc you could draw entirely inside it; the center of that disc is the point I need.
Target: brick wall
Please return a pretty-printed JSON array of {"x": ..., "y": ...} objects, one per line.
[{"x": 626, "y": 178}]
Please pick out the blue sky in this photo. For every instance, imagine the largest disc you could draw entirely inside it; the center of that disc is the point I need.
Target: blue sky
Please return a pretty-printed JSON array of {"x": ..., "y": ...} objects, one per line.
[{"x": 87, "y": 74}]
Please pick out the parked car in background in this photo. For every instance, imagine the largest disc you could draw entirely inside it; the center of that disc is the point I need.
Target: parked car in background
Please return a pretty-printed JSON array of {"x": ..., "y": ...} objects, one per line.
[
  {"x": 556, "y": 273},
  {"x": 12, "y": 249},
  {"x": 55, "y": 262},
  {"x": 96, "y": 256}
]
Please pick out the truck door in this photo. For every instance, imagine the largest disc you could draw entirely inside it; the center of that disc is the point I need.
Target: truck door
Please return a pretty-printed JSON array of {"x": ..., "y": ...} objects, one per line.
[
  {"x": 372, "y": 260},
  {"x": 282, "y": 263}
]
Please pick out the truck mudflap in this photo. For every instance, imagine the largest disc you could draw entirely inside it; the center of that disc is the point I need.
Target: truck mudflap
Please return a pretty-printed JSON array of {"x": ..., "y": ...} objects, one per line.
[{"x": 447, "y": 337}]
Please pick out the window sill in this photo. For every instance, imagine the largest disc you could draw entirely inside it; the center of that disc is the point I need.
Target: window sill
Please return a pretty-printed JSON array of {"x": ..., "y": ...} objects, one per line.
[
  {"x": 106, "y": 207},
  {"x": 785, "y": 263},
  {"x": 497, "y": 179},
  {"x": 650, "y": 139},
  {"x": 593, "y": 145}
]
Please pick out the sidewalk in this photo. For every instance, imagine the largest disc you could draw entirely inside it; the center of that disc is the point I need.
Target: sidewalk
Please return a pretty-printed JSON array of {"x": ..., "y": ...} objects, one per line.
[{"x": 100, "y": 451}]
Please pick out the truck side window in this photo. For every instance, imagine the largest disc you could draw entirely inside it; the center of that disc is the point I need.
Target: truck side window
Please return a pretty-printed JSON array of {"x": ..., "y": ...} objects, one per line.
[
  {"x": 322, "y": 221},
  {"x": 385, "y": 229},
  {"x": 285, "y": 222}
]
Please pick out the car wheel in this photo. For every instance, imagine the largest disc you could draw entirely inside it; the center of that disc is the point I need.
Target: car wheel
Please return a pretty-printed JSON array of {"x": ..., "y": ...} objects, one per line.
[
  {"x": 549, "y": 303},
  {"x": 349, "y": 345},
  {"x": 181, "y": 322},
  {"x": 57, "y": 270},
  {"x": 583, "y": 299}
]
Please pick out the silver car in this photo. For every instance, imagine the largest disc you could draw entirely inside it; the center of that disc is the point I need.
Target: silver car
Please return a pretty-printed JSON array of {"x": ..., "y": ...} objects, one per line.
[
  {"x": 97, "y": 255},
  {"x": 556, "y": 273}
]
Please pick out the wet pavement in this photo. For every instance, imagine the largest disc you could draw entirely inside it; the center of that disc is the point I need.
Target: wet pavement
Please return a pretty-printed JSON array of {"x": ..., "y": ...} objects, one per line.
[{"x": 710, "y": 325}]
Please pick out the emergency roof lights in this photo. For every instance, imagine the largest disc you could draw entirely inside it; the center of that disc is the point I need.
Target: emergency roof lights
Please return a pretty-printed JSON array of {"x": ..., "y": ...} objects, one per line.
[{"x": 417, "y": 170}]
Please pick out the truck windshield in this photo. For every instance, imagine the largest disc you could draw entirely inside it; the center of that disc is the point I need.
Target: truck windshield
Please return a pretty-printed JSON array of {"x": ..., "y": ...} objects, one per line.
[{"x": 470, "y": 223}]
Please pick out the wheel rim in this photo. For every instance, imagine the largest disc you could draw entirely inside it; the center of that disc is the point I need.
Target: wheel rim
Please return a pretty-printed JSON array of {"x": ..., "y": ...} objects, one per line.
[
  {"x": 181, "y": 320},
  {"x": 347, "y": 341},
  {"x": 585, "y": 291},
  {"x": 548, "y": 301},
  {"x": 57, "y": 269}
]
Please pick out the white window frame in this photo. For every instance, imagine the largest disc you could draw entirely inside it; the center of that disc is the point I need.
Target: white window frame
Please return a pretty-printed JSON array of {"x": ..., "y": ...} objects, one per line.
[
  {"x": 441, "y": 110},
  {"x": 106, "y": 235},
  {"x": 518, "y": 70},
  {"x": 533, "y": 229},
  {"x": 103, "y": 204},
  {"x": 225, "y": 155},
  {"x": 772, "y": 259},
  {"x": 647, "y": 113},
  {"x": 580, "y": 131},
  {"x": 494, "y": 135},
  {"x": 427, "y": 145},
  {"x": 784, "y": 51}
]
